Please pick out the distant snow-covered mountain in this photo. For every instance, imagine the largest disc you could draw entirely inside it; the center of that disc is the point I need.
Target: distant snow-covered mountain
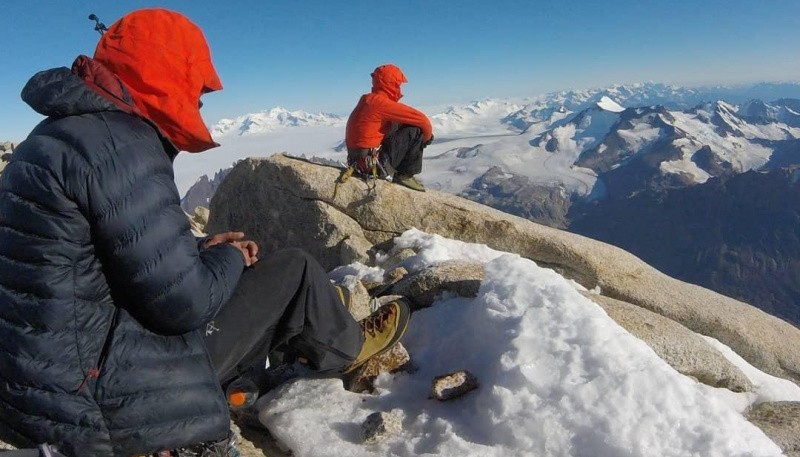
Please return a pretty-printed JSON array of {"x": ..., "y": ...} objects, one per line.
[
  {"x": 535, "y": 114},
  {"x": 784, "y": 110},
  {"x": 268, "y": 121},
  {"x": 581, "y": 150},
  {"x": 669, "y": 95},
  {"x": 565, "y": 138},
  {"x": 578, "y": 139},
  {"x": 201, "y": 191},
  {"x": 474, "y": 119}
]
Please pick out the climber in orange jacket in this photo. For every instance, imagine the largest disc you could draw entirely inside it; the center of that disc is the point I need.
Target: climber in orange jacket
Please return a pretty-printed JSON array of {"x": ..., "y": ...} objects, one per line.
[{"x": 385, "y": 137}]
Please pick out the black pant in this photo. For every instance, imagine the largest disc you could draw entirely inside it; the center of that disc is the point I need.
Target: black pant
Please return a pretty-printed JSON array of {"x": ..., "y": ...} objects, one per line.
[
  {"x": 403, "y": 146},
  {"x": 285, "y": 305}
]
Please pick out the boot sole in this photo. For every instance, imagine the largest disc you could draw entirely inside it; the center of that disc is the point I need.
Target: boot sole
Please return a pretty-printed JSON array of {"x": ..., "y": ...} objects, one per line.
[{"x": 410, "y": 187}]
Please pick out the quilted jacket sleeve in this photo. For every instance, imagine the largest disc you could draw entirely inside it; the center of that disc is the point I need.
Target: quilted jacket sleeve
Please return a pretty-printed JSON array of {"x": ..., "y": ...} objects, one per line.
[{"x": 144, "y": 241}]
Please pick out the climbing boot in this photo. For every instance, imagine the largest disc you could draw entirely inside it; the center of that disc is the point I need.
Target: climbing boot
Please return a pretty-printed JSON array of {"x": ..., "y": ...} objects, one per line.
[
  {"x": 382, "y": 329},
  {"x": 408, "y": 181}
]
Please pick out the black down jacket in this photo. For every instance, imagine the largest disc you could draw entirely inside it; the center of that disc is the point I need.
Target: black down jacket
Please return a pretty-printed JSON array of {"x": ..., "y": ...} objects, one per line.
[{"x": 103, "y": 291}]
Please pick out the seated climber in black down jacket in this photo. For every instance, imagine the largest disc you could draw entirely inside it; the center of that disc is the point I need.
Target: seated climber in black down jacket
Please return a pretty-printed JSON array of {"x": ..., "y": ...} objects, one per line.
[{"x": 118, "y": 328}]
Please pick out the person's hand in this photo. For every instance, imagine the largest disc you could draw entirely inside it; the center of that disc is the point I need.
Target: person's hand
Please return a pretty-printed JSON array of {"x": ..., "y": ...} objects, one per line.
[
  {"x": 226, "y": 237},
  {"x": 248, "y": 248}
]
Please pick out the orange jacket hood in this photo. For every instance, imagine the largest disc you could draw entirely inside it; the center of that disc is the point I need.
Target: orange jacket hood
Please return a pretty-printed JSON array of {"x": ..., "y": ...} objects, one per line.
[
  {"x": 164, "y": 60},
  {"x": 387, "y": 79}
]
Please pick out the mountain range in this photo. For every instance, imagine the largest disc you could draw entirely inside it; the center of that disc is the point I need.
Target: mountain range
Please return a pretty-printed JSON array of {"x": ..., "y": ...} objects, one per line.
[
  {"x": 695, "y": 165},
  {"x": 270, "y": 120}
]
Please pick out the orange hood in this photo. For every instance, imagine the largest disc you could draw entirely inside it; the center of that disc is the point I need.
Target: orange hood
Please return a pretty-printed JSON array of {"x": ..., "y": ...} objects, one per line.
[
  {"x": 387, "y": 79},
  {"x": 164, "y": 60}
]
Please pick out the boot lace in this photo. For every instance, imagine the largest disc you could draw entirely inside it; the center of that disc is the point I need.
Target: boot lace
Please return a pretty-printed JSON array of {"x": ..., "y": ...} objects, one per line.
[{"x": 376, "y": 321}]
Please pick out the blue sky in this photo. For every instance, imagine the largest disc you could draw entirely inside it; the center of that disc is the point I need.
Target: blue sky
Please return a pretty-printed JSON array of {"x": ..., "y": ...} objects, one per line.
[{"x": 316, "y": 55}]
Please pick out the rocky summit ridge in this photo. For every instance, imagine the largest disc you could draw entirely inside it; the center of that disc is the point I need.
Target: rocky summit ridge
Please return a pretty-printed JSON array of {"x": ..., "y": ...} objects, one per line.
[{"x": 282, "y": 202}]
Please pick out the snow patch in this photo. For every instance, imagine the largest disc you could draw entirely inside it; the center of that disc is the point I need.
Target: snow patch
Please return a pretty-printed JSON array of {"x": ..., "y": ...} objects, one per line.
[
  {"x": 557, "y": 377},
  {"x": 610, "y": 105}
]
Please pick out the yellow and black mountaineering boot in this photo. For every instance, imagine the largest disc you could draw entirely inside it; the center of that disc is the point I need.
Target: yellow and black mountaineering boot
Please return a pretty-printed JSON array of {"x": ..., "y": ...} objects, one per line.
[{"x": 382, "y": 329}]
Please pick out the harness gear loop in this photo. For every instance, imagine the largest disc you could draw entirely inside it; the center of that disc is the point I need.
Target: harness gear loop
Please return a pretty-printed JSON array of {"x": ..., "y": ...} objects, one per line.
[{"x": 369, "y": 166}]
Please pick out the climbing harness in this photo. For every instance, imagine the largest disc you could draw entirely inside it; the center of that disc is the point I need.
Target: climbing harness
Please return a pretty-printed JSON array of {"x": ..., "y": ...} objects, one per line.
[{"x": 370, "y": 167}]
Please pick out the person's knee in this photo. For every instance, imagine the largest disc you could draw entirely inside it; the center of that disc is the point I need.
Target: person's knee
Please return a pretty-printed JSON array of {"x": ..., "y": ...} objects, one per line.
[
  {"x": 293, "y": 255},
  {"x": 411, "y": 130}
]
